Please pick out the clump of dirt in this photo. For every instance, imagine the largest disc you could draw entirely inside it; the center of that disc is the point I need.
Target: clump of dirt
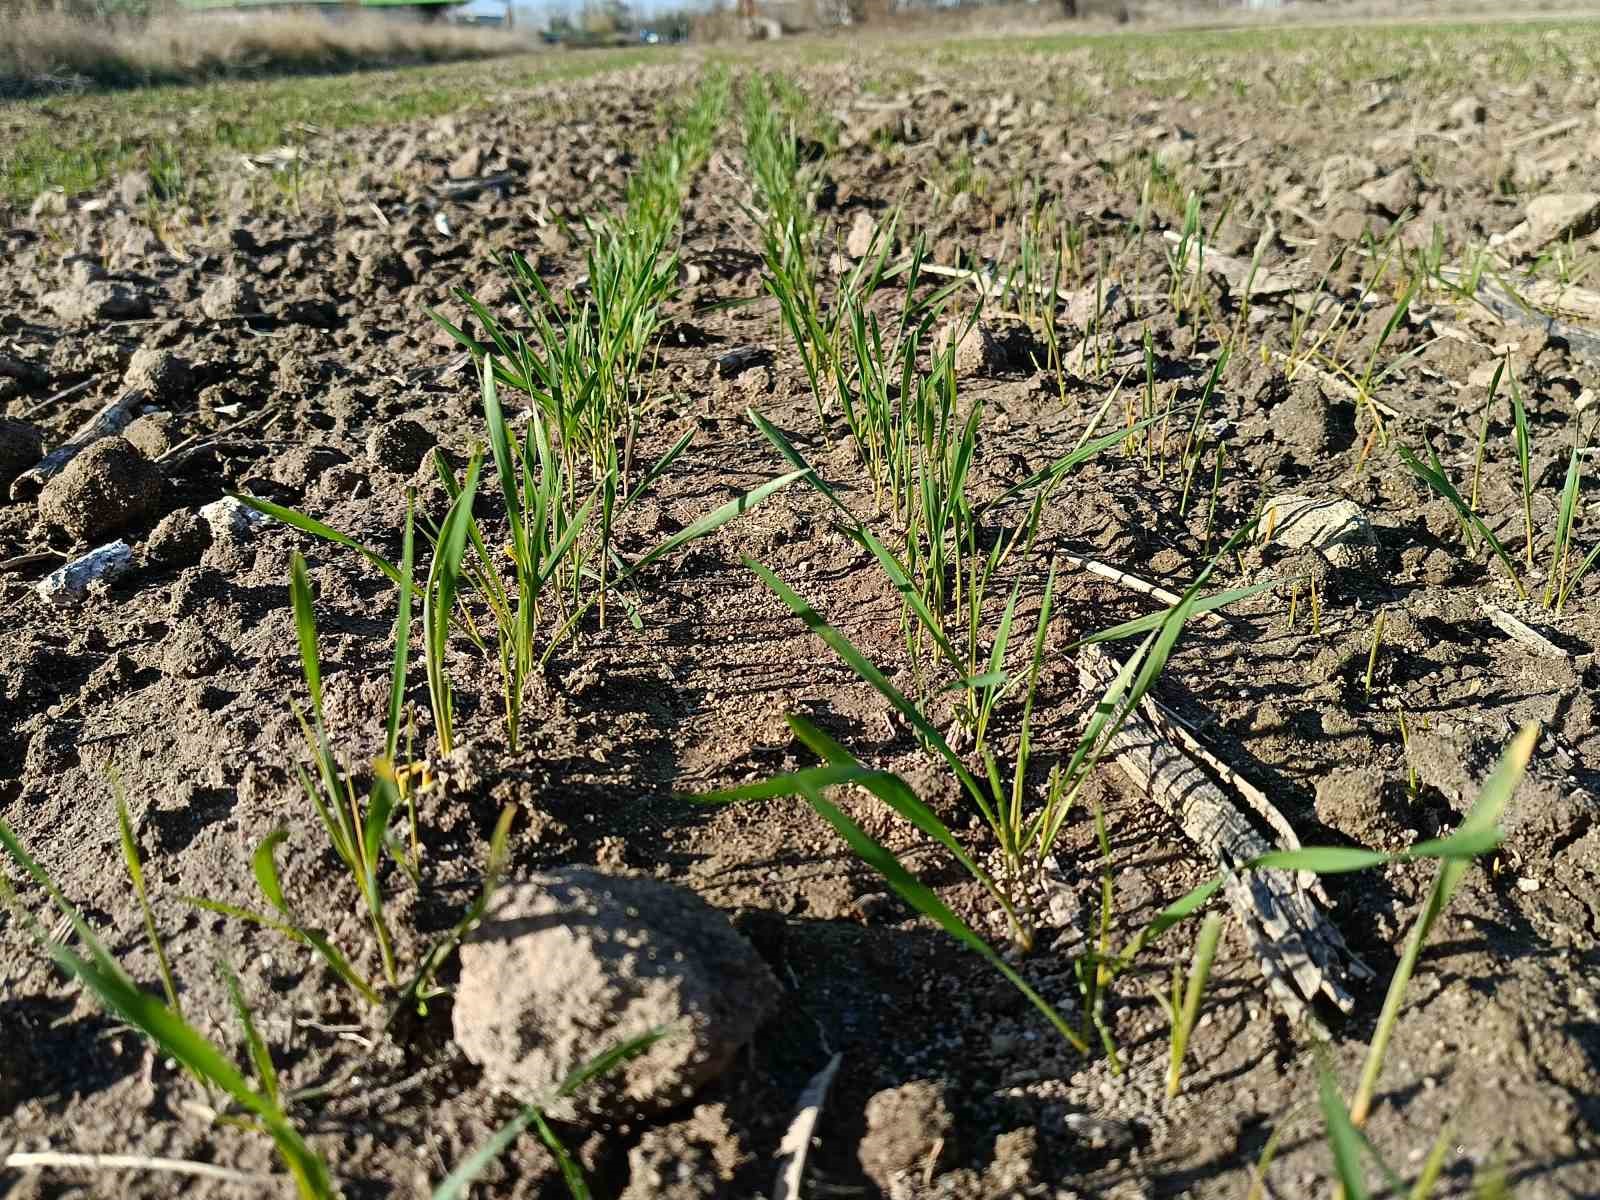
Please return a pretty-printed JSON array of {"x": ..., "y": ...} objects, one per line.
[
  {"x": 562, "y": 959},
  {"x": 21, "y": 445},
  {"x": 105, "y": 488}
]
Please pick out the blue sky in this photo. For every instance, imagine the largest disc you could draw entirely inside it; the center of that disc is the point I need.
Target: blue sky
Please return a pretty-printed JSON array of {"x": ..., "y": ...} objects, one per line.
[{"x": 536, "y": 16}]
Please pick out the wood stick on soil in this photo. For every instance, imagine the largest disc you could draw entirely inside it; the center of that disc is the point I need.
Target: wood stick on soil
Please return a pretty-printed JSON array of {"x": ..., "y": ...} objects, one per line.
[
  {"x": 1542, "y": 305},
  {"x": 797, "y": 1138},
  {"x": 112, "y": 419},
  {"x": 1539, "y": 135},
  {"x": 129, "y": 1162},
  {"x": 1521, "y": 632},
  {"x": 50, "y": 402},
  {"x": 1134, "y": 584},
  {"x": 1300, "y": 952}
]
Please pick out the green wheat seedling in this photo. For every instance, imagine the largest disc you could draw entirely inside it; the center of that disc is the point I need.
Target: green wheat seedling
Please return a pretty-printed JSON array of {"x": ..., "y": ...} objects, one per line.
[
  {"x": 1481, "y": 822},
  {"x": 1432, "y": 474},
  {"x": 1183, "y": 1008},
  {"x": 784, "y": 192},
  {"x": 1562, "y": 542},
  {"x": 1104, "y": 967},
  {"x": 458, "y": 1183},
  {"x": 534, "y": 489},
  {"x": 439, "y": 595},
  {"x": 944, "y": 580},
  {"x": 1522, "y": 443},
  {"x": 1483, "y": 432},
  {"x": 1023, "y": 832},
  {"x": 1186, "y": 261},
  {"x": 842, "y": 768},
  {"x": 1045, "y": 254},
  {"x": 357, "y": 831},
  {"x": 584, "y": 354},
  {"x": 92, "y": 965}
]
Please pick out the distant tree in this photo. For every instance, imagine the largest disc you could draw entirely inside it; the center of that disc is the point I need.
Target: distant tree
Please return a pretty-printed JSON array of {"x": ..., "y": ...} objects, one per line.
[{"x": 1069, "y": 8}]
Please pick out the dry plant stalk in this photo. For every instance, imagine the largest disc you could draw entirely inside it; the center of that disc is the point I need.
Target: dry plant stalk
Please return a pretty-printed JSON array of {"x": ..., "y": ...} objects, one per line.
[{"x": 1301, "y": 953}]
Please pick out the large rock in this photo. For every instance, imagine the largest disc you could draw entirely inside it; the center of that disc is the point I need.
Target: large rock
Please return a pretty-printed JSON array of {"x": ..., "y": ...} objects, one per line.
[
  {"x": 105, "y": 488},
  {"x": 569, "y": 963}
]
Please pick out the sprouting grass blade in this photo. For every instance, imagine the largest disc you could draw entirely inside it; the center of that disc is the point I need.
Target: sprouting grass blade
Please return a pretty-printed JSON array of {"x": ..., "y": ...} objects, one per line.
[
  {"x": 317, "y": 528},
  {"x": 715, "y": 519},
  {"x": 864, "y": 667},
  {"x": 921, "y": 898},
  {"x": 305, "y": 629},
  {"x": 416, "y": 991},
  {"x": 1433, "y": 1165},
  {"x": 1179, "y": 910},
  {"x": 1343, "y": 1138},
  {"x": 105, "y": 979},
  {"x": 1205, "y": 950},
  {"x": 1563, "y": 531},
  {"x": 1433, "y": 475},
  {"x": 1483, "y": 819},
  {"x": 130, "y": 856},
  {"x": 457, "y": 1183},
  {"x": 1151, "y": 621},
  {"x": 402, "y": 638},
  {"x": 260, "y": 1056}
]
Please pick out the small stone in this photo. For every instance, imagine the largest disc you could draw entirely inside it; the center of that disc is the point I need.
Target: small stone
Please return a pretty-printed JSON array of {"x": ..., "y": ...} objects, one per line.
[
  {"x": 1343, "y": 173},
  {"x": 106, "y": 487},
  {"x": 133, "y": 189},
  {"x": 1394, "y": 194},
  {"x": 573, "y": 959},
  {"x": 231, "y": 520},
  {"x": 1177, "y": 151},
  {"x": 1469, "y": 110},
  {"x": 21, "y": 445},
  {"x": 163, "y": 375},
  {"x": 399, "y": 445},
  {"x": 1338, "y": 528},
  {"x": 52, "y": 203},
  {"x": 98, "y": 299},
  {"x": 228, "y": 296},
  {"x": 70, "y": 584},
  {"x": 1346, "y": 225},
  {"x": 906, "y": 1126},
  {"x": 466, "y": 165},
  {"x": 863, "y": 235},
  {"x": 178, "y": 540},
  {"x": 1556, "y": 217}
]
